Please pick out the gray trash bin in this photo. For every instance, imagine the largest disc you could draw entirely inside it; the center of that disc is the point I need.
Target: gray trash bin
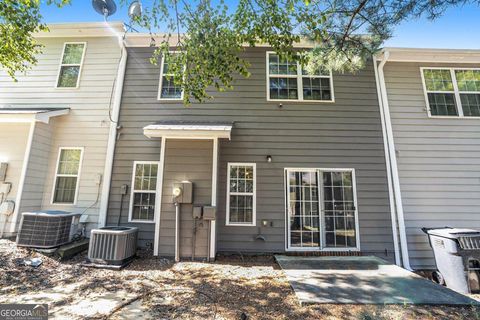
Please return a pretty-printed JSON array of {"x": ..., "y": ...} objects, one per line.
[{"x": 457, "y": 255}]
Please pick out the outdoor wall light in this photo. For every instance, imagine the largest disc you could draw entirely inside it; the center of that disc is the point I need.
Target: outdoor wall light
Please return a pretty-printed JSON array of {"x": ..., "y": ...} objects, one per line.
[{"x": 269, "y": 158}]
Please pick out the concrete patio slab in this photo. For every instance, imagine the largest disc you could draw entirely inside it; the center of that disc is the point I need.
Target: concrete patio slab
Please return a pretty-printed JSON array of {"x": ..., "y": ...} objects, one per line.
[{"x": 362, "y": 280}]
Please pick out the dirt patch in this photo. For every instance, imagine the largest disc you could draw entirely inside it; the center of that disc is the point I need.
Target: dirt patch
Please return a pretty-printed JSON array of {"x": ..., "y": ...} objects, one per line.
[{"x": 254, "y": 287}]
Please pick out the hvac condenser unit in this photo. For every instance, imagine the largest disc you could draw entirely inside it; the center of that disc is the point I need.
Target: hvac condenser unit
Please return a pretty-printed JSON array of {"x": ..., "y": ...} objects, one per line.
[
  {"x": 47, "y": 229},
  {"x": 112, "y": 245}
]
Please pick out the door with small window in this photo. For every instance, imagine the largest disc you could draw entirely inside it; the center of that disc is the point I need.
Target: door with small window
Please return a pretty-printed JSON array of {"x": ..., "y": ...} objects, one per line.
[{"x": 321, "y": 209}]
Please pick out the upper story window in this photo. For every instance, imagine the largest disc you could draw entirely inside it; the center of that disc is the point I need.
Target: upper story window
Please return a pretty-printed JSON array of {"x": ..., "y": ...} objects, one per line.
[
  {"x": 144, "y": 186},
  {"x": 71, "y": 65},
  {"x": 287, "y": 80},
  {"x": 167, "y": 88},
  {"x": 452, "y": 92},
  {"x": 241, "y": 194},
  {"x": 67, "y": 176}
]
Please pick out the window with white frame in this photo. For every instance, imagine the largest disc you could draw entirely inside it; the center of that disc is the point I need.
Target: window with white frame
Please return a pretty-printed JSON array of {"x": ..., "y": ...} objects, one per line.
[
  {"x": 144, "y": 185},
  {"x": 241, "y": 194},
  {"x": 452, "y": 92},
  {"x": 71, "y": 64},
  {"x": 287, "y": 80},
  {"x": 67, "y": 175},
  {"x": 168, "y": 90}
]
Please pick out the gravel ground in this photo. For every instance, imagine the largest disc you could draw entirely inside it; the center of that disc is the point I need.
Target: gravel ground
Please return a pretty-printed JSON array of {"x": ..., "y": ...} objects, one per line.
[{"x": 230, "y": 288}]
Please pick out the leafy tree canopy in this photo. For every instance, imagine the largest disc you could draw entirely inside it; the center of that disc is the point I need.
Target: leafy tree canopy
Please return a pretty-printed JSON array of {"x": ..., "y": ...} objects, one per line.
[{"x": 210, "y": 36}]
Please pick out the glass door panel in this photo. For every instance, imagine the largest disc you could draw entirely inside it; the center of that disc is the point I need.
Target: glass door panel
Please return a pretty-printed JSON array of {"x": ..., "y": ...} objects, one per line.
[
  {"x": 303, "y": 209},
  {"x": 339, "y": 210}
]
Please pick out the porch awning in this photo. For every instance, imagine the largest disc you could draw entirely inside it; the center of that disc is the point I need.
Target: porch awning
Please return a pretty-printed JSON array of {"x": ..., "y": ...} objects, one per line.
[
  {"x": 189, "y": 129},
  {"x": 14, "y": 113}
]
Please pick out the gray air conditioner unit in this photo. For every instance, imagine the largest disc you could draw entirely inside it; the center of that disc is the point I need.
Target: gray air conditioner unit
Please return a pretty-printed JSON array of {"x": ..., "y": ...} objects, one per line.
[
  {"x": 47, "y": 229},
  {"x": 112, "y": 245}
]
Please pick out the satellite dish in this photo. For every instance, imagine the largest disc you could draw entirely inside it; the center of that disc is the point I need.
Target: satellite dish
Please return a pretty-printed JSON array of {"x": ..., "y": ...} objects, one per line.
[
  {"x": 104, "y": 7},
  {"x": 135, "y": 10}
]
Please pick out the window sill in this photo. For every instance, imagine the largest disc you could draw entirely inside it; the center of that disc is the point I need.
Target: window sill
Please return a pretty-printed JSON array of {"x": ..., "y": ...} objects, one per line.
[
  {"x": 240, "y": 224},
  {"x": 141, "y": 221},
  {"x": 301, "y": 101}
]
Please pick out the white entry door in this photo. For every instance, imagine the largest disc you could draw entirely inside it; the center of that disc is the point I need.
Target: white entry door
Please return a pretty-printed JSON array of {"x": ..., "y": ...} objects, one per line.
[{"x": 321, "y": 209}]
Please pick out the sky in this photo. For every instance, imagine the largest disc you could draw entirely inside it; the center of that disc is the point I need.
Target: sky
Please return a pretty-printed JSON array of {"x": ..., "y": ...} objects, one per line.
[{"x": 456, "y": 29}]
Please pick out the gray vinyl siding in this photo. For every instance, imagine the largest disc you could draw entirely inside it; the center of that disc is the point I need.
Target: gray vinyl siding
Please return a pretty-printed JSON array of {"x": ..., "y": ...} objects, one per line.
[
  {"x": 186, "y": 160},
  {"x": 344, "y": 134},
  {"x": 37, "y": 168},
  {"x": 438, "y": 161},
  {"x": 86, "y": 125}
]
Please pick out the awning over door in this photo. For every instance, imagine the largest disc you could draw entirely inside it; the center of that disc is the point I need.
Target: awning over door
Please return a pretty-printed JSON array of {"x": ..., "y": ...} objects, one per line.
[
  {"x": 17, "y": 113},
  {"x": 189, "y": 129}
]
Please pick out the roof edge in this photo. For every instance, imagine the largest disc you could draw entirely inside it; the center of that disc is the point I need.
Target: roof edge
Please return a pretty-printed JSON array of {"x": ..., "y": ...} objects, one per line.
[
  {"x": 430, "y": 55},
  {"x": 83, "y": 29}
]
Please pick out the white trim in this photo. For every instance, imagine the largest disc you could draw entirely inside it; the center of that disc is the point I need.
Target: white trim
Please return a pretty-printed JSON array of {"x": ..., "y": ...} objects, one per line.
[
  {"x": 391, "y": 197},
  {"x": 455, "y": 56},
  {"x": 21, "y": 182},
  {"x": 322, "y": 246},
  {"x": 158, "y": 198},
  {"x": 133, "y": 191},
  {"x": 456, "y": 92},
  {"x": 213, "y": 223},
  {"x": 80, "y": 65},
  {"x": 253, "y": 193},
  {"x": 78, "y": 175},
  {"x": 299, "y": 76},
  {"x": 188, "y": 131},
  {"x": 112, "y": 138},
  {"x": 160, "y": 83},
  {"x": 27, "y": 116},
  {"x": 82, "y": 30},
  {"x": 393, "y": 163}
]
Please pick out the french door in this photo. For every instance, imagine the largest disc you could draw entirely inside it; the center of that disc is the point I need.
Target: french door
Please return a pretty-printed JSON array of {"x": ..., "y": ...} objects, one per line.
[{"x": 321, "y": 209}]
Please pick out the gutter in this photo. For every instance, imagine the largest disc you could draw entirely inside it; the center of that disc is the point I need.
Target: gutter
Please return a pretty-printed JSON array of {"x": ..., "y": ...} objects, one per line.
[
  {"x": 112, "y": 136},
  {"x": 391, "y": 197},
  {"x": 390, "y": 154}
]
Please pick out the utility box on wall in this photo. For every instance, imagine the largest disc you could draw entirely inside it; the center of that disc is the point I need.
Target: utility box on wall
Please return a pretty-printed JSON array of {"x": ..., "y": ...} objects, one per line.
[
  {"x": 209, "y": 213},
  {"x": 186, "y": 194}
]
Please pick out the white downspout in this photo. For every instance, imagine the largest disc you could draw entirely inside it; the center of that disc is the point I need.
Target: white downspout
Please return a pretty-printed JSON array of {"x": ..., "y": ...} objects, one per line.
[
  {"x": 393, "y": 162},
  {"x": 112, "y": 136},
  {"x": 391, "y": 197}
]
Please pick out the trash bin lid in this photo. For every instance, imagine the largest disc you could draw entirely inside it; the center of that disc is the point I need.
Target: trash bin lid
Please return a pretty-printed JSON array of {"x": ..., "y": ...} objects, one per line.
[{"x": 454, "y": 233}]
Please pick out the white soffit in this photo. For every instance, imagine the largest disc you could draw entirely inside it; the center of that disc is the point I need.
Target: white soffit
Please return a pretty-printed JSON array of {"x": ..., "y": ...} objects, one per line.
[
  {"x": 29, "y": 114},
  {"x": 189, "y": 130},
  {"x": 431, "y": 55},
  {"x": 83, "y": 29}
]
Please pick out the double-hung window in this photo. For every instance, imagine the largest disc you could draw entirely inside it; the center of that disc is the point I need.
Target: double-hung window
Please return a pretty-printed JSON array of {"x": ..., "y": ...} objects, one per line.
[
  {"x": 67, "y": 176},
  {"x": 287, "y": 80},
  {"x": 71, "y": 65},
  {"x": 452, "y": 92},
  {"x": 241, "y": 194},
  {"x": 143, "y": 196},
  {"x": 168, "y": 90}
]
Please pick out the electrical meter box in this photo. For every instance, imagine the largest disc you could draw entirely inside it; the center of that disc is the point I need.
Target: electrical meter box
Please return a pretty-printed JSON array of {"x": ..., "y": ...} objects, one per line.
[
  {"x": 209, "y": 213},
  {"x": 186, "y": 195}
]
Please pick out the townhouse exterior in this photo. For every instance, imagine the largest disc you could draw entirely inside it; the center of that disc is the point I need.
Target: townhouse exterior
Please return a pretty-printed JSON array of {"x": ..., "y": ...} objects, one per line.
[
  {"x": 288, "y": 162},
  {"x": 433, "y": 97},
  {"x": 55, "y": 123},
  {"x": 291, "y": 162}
]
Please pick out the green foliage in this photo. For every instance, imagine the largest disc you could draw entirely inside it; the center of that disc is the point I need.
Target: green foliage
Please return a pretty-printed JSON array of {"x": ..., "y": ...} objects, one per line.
[
  {"x": 211, "y": 37},
  {"x": 19, "y": 19}
]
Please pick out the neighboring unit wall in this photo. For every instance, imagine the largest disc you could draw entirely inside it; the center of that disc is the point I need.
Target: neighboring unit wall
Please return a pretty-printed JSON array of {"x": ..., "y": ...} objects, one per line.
[
  {"x": 13, "y": 142},
  {"x": 86, "y": 125},
  {"x": 343, "y": 134},
  {"x": 438, "y": 162}
]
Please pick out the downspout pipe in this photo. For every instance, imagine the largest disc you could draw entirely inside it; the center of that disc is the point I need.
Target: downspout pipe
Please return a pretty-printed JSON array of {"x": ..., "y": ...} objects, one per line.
[
  {"x": 391, "y": 197},
  {"x": 393, "y": 162},
  {"x": 112, "y": 135}
]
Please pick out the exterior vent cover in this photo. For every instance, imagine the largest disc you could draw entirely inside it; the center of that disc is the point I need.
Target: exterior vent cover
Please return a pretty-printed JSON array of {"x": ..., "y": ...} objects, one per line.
[
  {"x": 46, "y": 229},
  {"x": 112, "y": 245}
]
